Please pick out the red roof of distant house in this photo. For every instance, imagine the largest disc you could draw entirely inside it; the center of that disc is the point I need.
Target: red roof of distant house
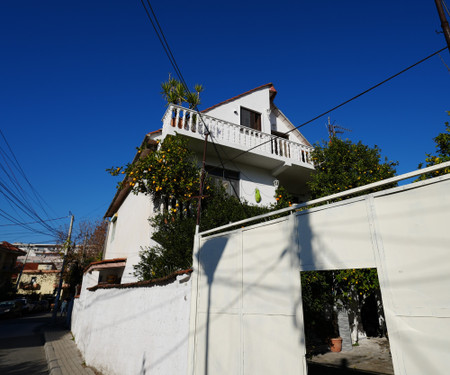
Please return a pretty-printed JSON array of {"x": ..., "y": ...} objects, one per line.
[
  {"x": 105, "y": 261},
  {"x": 30, "y": 266},
  {"x": 270, "y": 85},
  {"x": 11, "y": 248},
  {"x": 35, "y": 266}
]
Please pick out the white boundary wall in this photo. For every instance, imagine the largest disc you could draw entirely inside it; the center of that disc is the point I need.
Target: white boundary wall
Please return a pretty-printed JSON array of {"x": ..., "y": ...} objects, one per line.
[
  {"x": 246, "y": 297},
  {"x": 133, "y": 331}
]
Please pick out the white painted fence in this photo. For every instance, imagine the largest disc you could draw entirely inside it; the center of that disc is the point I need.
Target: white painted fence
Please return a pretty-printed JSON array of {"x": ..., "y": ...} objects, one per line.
[
  {"x": 246, "y": 296},
  {"x": 246, "y": 307}
]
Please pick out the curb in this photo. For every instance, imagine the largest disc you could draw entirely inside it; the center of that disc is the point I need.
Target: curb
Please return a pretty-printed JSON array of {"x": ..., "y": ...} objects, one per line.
[
  {"x": 52, "y": 361},
  {"x": 63, "y": 358}
]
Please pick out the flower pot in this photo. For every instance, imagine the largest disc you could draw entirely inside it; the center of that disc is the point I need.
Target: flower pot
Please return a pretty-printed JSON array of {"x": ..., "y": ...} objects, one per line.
[{"x": 336, "y": 344}]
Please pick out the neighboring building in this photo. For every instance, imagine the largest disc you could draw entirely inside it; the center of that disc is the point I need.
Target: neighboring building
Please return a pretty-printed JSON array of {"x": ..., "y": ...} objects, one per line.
[
  {"x": 236, "y": 125},
  {"x": 40, "y": 253},
  {"x": 8, "y": 257},
  {"x": 39, "y": 278}
]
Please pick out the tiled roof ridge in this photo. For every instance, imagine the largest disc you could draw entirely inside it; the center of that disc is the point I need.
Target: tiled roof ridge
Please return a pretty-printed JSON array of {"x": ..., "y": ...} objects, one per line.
[
  {"x": 270, "y": 84},
  {"x": 147, "y": 283},
  {"x": 41, "y": 271},
  {"x": 7, "y": 246},
  {"x": 105, "y": 261}
]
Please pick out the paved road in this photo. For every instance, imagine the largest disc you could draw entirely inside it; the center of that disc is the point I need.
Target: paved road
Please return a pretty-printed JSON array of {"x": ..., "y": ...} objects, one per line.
[{"x": 22, "y": 345}]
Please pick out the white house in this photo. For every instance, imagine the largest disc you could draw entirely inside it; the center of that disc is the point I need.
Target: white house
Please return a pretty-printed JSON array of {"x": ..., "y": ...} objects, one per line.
[{"x": 258, "y": 146}]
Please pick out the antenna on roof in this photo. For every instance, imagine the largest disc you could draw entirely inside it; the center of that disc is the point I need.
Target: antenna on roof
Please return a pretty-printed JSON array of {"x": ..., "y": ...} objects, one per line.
[{"x": 335, "y": 129}]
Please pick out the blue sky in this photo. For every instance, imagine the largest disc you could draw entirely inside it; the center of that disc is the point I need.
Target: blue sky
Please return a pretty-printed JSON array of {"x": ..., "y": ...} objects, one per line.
[{"x": 80, "y": 81}]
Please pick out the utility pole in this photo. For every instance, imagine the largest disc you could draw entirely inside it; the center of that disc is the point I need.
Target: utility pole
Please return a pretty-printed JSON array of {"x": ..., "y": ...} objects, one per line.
[
  {"x": 58, "y": 293},
  {"x": 202, "y": 178},
  {"x": 444, "y": 23}
]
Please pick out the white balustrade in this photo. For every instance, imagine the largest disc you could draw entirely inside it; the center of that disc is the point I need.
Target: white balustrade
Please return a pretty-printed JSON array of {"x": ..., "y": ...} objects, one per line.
[{"x": 189, "y": 122}]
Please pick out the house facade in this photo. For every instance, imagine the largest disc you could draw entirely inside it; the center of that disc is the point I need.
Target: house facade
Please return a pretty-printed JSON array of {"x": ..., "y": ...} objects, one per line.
[
  {"x": 251, "y": 145},
  {"x": 8, "y": 257}
]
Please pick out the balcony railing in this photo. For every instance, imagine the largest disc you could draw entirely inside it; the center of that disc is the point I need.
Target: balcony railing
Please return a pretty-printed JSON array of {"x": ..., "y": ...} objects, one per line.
[{"x": 188, "y": 122}]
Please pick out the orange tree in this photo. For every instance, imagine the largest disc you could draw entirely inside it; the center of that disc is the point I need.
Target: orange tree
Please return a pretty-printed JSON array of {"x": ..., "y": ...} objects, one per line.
[
  {"x": 443, "y": 153},
  {"x": 170, "y": 176},
  {"x": 342, "y": 165}
]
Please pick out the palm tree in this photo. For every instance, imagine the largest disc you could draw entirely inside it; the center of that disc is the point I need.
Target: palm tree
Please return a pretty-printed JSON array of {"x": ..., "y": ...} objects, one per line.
[{"x": 174, "y": 92}]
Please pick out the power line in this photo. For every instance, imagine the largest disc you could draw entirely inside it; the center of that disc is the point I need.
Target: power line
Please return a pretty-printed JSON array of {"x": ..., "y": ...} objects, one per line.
[
  {"x": 172, "y": 60},
  {"x": 344, "y": 103},
  {"x": 445, "y": 7},
  {"x": 175, "y": 66},
  {"x": 15, "y": 194},
  {"x": 33, "y": 222},
  {"x": 19, "y": 167}
]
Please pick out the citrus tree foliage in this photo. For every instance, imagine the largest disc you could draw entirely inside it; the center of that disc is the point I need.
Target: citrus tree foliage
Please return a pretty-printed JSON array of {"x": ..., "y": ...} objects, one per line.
[
  {"x": 170, "y": 175},
  {"x": 174, "y": 233},
  {"x": 170, "y": 172},
  {"x": 442, "y": 153},
  {"x": 283, "y": 198},
  {"x": 342, "y": 165}
]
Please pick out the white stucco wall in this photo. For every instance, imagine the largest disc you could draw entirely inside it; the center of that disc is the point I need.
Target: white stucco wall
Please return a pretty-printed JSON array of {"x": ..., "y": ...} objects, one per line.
[
  {"x": 258, "y": 101},
  {"x": 130, "y": 233},
  {"x": 134, "y": 330},
  {"x": 281, "y": 124},
  {"x": 246, "y": 297},
  {"x": 251, "y": 178}
]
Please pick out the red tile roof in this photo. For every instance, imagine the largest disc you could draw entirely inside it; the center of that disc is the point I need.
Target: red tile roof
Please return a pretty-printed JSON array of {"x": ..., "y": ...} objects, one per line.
[
  {"x": 11, "y": 248},
  {"x": 147, "y": 283},
  {"x": 270, "y": 85},
  {"x": 30, "y": 266},
  {"x": 105, "y": 261}
]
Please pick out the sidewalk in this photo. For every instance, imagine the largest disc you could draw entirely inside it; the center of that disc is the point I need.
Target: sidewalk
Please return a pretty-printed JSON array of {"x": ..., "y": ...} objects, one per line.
[{"x": 63, "y": 357}]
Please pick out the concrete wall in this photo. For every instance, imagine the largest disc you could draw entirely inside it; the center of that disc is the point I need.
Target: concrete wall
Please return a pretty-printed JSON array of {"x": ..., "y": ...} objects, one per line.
[
  {"x": 134, "y": 330},
  {"x": 246, "y": 297}
]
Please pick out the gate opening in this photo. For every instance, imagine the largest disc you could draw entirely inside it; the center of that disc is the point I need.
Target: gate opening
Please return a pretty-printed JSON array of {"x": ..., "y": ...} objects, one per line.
[{"x": 344, "y": 322}]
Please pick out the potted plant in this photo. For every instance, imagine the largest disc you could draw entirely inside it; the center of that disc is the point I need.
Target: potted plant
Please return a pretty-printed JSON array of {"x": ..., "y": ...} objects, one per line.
[{"x": 335, "y": 341}]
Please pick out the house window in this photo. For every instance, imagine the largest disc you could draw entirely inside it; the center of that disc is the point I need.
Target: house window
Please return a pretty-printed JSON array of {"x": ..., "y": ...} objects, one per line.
[
  {"x": 113, "y": 228},
  {"x": 226, "y": 178},
  {"x": 251, "y": 119}
]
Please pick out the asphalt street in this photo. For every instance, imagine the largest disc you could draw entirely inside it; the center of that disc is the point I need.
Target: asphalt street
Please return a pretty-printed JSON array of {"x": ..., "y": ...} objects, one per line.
[{"x": 22, "y": 345}]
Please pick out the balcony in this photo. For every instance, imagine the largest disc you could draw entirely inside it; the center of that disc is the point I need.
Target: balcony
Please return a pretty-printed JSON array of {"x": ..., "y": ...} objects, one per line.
[{"x": 263, "y": 149}]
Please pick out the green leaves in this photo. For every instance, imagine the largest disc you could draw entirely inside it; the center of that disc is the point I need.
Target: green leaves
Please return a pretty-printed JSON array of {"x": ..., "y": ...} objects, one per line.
[
  {"x": 443, "y": 154},
  {"x": 342, "y": 165},
  {"x": 174, "y": 92}
]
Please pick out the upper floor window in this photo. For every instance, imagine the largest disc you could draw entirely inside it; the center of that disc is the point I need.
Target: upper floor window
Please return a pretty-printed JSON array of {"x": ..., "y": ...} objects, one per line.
[{"x": 250, "y": 119}]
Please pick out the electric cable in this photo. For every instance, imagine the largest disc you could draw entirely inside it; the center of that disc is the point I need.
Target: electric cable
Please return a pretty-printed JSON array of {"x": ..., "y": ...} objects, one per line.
[
  {"x": 174, "y": 64},
  {"x": 39, "y": 198},
  {"x": 33, "y": 222},
  {"x": 15, "y": 194},
  {"x": 445, "y": 7},
  {"x": 343, "y": 103},
  {"x": 169, "y": 54}
]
